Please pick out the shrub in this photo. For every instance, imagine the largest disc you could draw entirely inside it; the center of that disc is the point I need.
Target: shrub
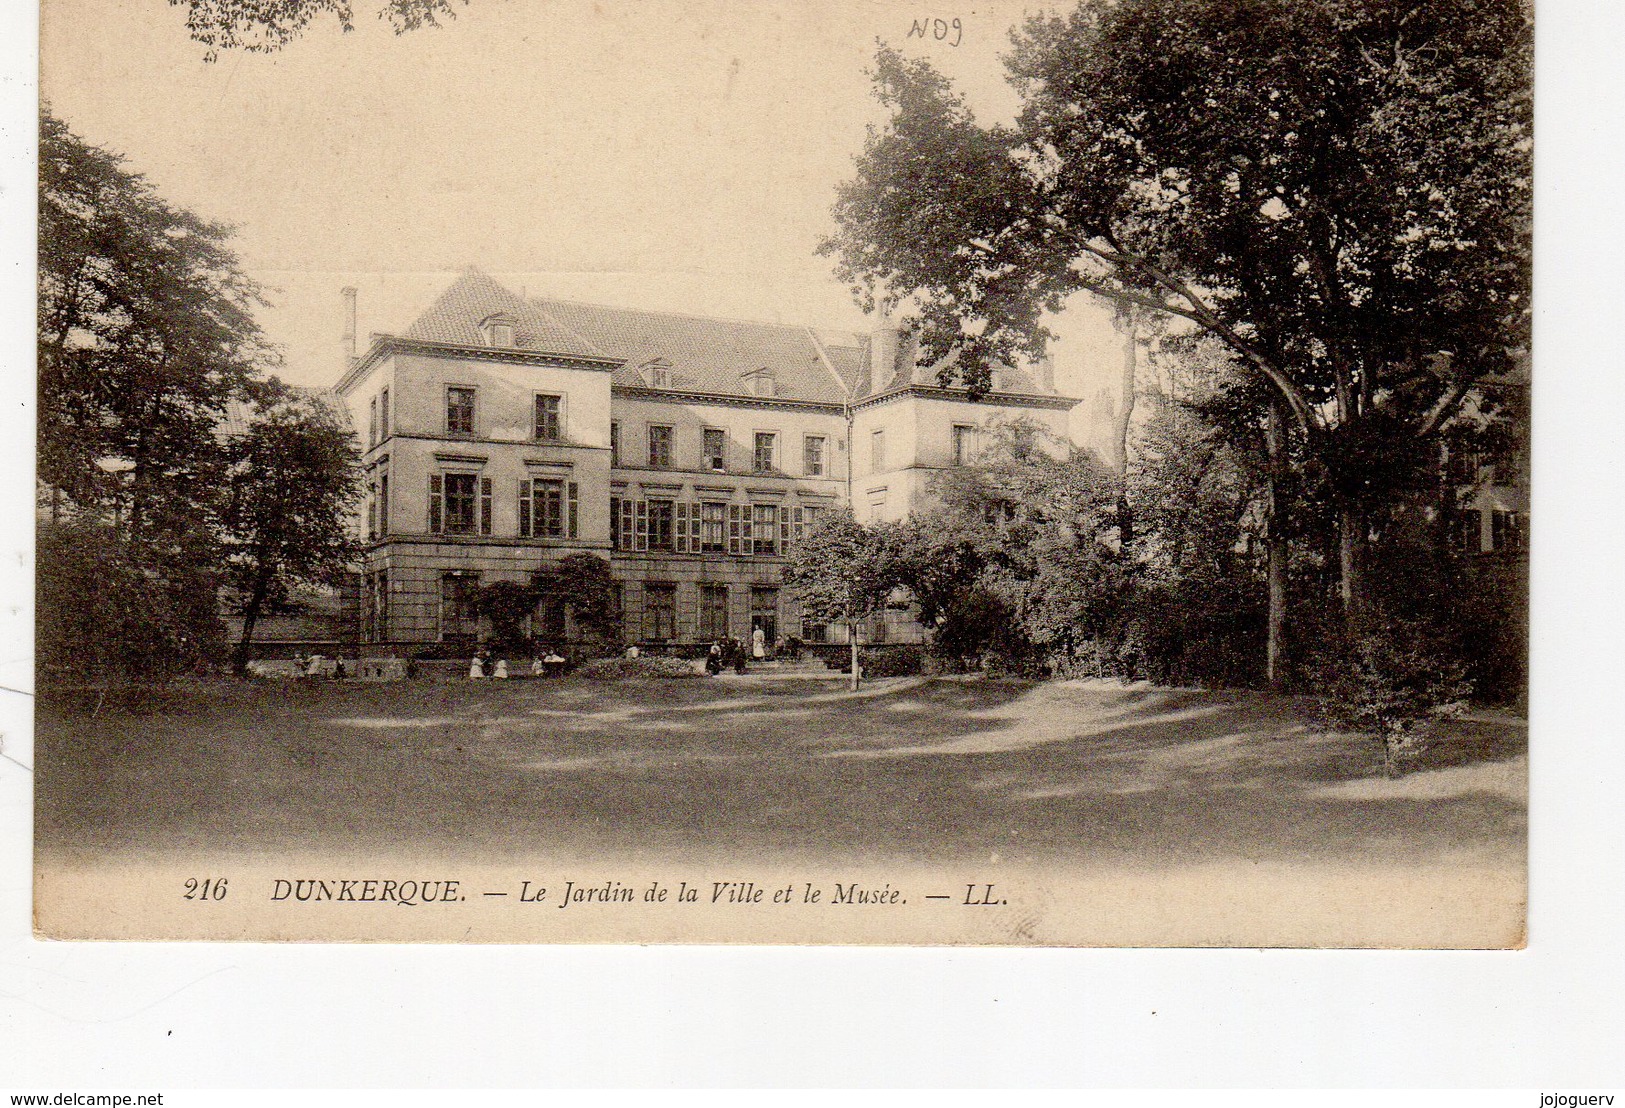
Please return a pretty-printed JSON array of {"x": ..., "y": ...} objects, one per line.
[
  {"x": 1394, "y": 681},
  {"x": 641, "y": 667},
  {"x": 902, "y": 660}
]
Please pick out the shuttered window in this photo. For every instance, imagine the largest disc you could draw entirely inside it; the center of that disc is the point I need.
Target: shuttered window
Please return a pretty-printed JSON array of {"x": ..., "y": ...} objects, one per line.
[
  {"x": 714, "y": 527},
  {"x": 542, "y": 509},
  {"x": 738, "y": 540},
  {"x": 680, "y": 531},
  {"x": 764, "y": 528},
  {"x": 662, "y": 519}
]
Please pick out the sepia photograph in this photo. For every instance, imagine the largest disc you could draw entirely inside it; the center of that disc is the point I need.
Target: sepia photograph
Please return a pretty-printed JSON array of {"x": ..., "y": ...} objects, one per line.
[{"x": 846, "y": 472}]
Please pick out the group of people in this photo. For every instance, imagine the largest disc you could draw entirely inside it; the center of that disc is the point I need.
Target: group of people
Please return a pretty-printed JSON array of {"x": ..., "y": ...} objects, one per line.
[
  {"x": 483, "y": 665},
  {"x": 731, "y": 653}
]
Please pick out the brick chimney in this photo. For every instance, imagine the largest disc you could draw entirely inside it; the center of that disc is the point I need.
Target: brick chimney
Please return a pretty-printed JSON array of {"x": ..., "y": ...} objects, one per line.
[
  {"x": 348, "y": 293},
  {"x": 883, "y": 343}
]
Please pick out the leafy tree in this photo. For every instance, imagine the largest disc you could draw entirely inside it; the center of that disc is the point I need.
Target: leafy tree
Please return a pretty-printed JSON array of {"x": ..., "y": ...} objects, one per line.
[
  {"x": 1020, "y": 557},
  {"x": 145, "y": 337},
  {"x": 265, "y": 26},
  {"x": 105, "y": 616},
  {"x": 1338, "y": 192},
  {"x": 843, "y": 572},
  {"x": 293, "y": 482},
  {"x": 582, "y": 583},
  {"x": 146, "y": 334},
  {"x": 506, "y": 604}
]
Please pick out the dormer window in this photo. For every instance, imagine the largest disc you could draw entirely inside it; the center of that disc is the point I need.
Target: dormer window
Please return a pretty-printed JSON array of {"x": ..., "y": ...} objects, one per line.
[
  {"x": 760, "y": 382},
  {"x": 498, "y": 331},
  {"x": 657, "y": 374}
]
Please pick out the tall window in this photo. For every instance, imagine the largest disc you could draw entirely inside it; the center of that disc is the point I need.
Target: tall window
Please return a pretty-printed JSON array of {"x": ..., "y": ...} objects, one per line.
[
  {"x": 877, "y": 451},
  {"x": 659, "y": 446},
  {"x": 542, "y": 512},
  {"x": 383, "y": 415},
  {"x": 383, "y": 503},
  {"x": 1469, "y": 532},
  {"x": 372, "y": 423},
  {"x": 459, "y": 605},
  {"x": 763, "y": 461},
  {"x": 765, "y": 527},
  {"x": 548, "y": 424},
  {"x": 1506, "y": 530},
  {"x": 659, "y": 611},
  {"x": 812, "y": 455},
  {"x": 459, "y": 410},
  {"x": 964, "y": 444},
  {"x": 661, "y": 517},
  {"x": 716, "y": 446},
  {"x": 615, "y": 442},
  {"x": 713, "y": 527},
  {"x": 764, "y": 613},
  {"x": 459, "y": 504},
  {"x": 713, "y": 612}
]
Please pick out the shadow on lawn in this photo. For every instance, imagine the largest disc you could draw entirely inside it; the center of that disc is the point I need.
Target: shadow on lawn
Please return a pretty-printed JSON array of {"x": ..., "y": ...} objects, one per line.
[{"x": 939, "y": 770}]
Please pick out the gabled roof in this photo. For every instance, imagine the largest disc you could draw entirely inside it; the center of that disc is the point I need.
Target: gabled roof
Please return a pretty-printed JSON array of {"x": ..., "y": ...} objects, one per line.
[
  {"x": 705, "y": 355},
  {"x": 456, "y": 315}
]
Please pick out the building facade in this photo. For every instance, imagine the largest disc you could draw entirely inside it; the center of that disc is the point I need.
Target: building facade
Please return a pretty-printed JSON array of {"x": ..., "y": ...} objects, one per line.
[{"x": 502, "y": 433}]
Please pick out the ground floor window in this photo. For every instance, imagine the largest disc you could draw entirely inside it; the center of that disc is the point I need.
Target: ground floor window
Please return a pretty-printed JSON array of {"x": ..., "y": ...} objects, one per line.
[
  {"x": 659, "y": 612},
  {"x": 713, "y": 612},
  {"x": 814, "y": 630},
  {"x": 459, "y": 606}
]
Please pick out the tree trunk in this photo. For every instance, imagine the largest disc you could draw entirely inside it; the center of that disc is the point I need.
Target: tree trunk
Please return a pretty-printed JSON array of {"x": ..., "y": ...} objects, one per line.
[
  {"x": 1125, "y": 322},
  {"x": 852, "y": 636},
  {"x": 1275, "y": 552},
  {"x": 251, "y": 616},
  {"x": 1350, "y": 551}
]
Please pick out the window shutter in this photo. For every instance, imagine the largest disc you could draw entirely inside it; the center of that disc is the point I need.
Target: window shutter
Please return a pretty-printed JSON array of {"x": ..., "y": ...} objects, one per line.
[
  {"x": 435, "y": 490},
  {"x": 626, "y": 525},
  {"x": 680, "y": 527},
  {"x": 784, "y": 529},
  {"x": 485, "y": 505},
  {"x": 615, "y": 523},
  {"x": 641, "y": 533},
  {"x": 570, "y": 491},
  {"x": 735, "y": 539},
  {"x": 524, "y": 508},
  {"x": 372, "y": 512},
  {"x": 799, "y": 530},
  {"x": 694, "y": 528}
]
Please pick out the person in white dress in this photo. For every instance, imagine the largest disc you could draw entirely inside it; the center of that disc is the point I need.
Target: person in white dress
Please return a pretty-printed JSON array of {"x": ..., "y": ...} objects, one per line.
[
  {"x": 476, "y": 668},
  {"x": 758, "y": 644}
]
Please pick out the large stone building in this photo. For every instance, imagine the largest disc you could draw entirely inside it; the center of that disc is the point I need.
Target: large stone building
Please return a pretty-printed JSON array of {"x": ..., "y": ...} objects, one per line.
[{"x": 503, "y": 432}]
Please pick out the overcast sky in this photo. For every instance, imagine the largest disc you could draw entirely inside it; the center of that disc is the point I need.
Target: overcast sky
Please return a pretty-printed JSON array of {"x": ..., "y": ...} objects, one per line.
[{"x": 678, "y": 155}]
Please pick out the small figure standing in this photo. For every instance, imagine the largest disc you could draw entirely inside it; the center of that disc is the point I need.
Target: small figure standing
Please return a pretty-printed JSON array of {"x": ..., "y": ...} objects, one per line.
[
  {"x": 713, "y": 659},
  {"x": 758, "y": 644},
  {"x": 737, "y": 649},
  {"x": 536, "y": 666},
  {"x": 476, "y": 668},
  {"x": 632, "y": 651},
  {"x": 502, "y": 669}
]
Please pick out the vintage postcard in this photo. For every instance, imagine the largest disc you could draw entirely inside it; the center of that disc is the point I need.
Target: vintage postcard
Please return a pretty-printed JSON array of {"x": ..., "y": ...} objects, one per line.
[{"x": 557, "y": 471}]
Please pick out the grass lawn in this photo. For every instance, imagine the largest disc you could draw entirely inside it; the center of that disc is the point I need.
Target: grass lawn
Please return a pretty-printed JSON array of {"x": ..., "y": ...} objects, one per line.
[{"x": 911, "y": 775}]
